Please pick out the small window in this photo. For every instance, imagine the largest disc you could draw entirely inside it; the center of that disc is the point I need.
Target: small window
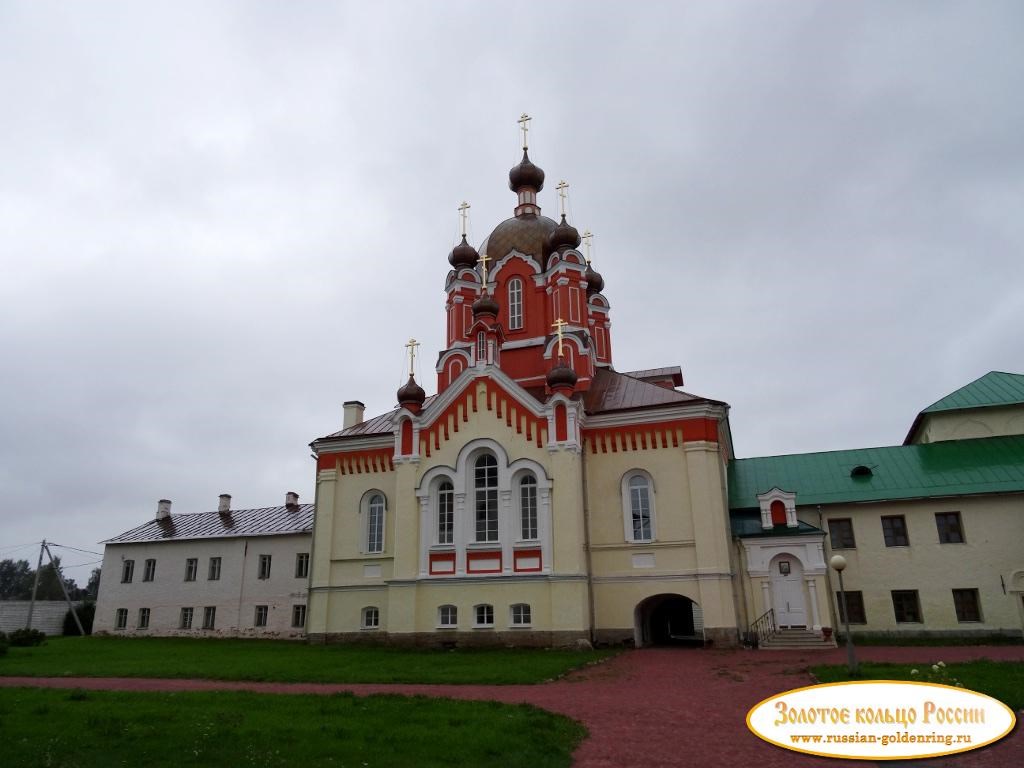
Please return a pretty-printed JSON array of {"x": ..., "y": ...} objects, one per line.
[
  {"x": 260, "y": 619},
  {"x": 143, "y": 618},
  {"x": 121, "y": 618},
  {"x": 375, "y": 507},
  {"x": 264, "y": 570},
  {"x": 894, "y": 529},
  {"x": 855, "y": 601},
  {"x": 861, "y": 471},
  {"x": 906, "y": 606},
  {"x": 213, "y": 573},
  {"x": 298, "y": 616},
  {"x": 967, "y": 604},
  {"x": 486, "y": 497},
  {"x": 481, "y": 347},
  {"x": 149, "y": 573},
  {"x": 521, "y": 615},
  {"x": 371, "y": 618},
  {"x": 447, "y": 616},
  {"x": 185, "y": 619},
  {"x": 515, "y": 304},
  {"x": 950, "y": 528},
  {"x": 484, "y": 615},
  {"x": 191, "y": 566},
  {"x": 445, "y": 513},
  {"x": 127, "y": 571},
  {"x": 528, "y": 507},
  {"x": 209, "y": 617},
  {"x": 840, "y": 533},
  {"x": 302, "y": 565}
]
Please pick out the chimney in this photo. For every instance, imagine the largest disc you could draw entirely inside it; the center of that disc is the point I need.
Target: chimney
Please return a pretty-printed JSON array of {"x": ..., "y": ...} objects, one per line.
[
  {"x": 163, "y": 509},
  {"x": 291, "y": 500},
  {"x": 224, "y": 506},
  {"x": 353, "y": 413}
]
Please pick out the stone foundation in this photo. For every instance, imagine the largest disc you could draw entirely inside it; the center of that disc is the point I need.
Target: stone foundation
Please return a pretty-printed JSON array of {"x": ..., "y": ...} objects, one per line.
[{"x": 472, "y": 639}]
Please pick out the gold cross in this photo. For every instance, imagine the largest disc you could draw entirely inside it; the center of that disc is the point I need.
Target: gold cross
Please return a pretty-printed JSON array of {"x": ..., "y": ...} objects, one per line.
[
  {"x": 587, "y": 237},
  {"x": 411, "y": 346},
  {"x": 524, "y": 125},
  {"x": 559, "y": 324},
  {"x": 562, "y": 194},
  {"x": 484, "y": 258},
  {"x": 463, "y": 215}
]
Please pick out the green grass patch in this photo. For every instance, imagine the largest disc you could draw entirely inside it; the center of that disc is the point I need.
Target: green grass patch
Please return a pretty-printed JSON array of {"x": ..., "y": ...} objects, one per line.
[
  {"x": 1003, "y": 680},
  {"x": 283, "y": 661},
  {"x": 903, "y": 639},
  {"x": 104, "y": 728}
]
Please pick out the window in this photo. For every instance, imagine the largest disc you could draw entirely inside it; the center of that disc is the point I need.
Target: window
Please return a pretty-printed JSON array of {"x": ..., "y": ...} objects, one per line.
[
  {"x": 906, "y": 606},
  {"x": 150, "y": 571},
  {"x": 191, "y": 566},
  {"x": 515, "y": 304},
  {"x": 967, "y": 604},
  {"x": 484, "y": 615},
  {"x": 185, "y": 620},
  {"x": 520, "y": 615},
  {"x": 481, "y": 347},
  {"x": 950, "y": 529},
  {"x": 855, "y": 602},
  {"x": 447, "y": 616},
  {"x": 486, "y": 484},
  {"x": 298, "y": 616},
  {"x": 209, "y": 617},
  {"x": 445, "y": 513},
  {"x": 894, "y": 528},
  {"x": 375, "y": 523},
  {"x": 213, "y": 573},
  {"x": 260, "y": 619},
  {"x": 121, "y": 618},
  {"x": 143, "y": 618},
  {"x": 371, "y": 618},
  {"x": 264, "y": 570},
  {"x": 127, "y": 571},
  {"x": 841, "y": 533},
  {"x": 528, "y": 507},
  {"x": 302, "y": 565},
  {"x": 638, "y": 506}
]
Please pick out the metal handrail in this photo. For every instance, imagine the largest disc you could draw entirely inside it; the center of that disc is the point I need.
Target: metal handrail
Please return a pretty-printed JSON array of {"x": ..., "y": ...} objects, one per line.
[{"x": 764, "y": 626}]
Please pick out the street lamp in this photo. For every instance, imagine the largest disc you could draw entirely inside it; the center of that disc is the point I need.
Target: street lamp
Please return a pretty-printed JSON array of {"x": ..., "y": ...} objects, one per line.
[{"x": 838, "y": 562}]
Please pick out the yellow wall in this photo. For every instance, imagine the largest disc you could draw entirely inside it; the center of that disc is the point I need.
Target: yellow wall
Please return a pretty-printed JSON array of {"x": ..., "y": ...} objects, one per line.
[{"x": 976, "y": 422}]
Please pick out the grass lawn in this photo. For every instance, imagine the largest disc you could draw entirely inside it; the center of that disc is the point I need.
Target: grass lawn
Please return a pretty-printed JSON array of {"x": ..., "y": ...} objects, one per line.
[
  {"x": 103, "y": 728},
  {"x": 283, "y": 661},
  {"x": 1003, "y": 680}
]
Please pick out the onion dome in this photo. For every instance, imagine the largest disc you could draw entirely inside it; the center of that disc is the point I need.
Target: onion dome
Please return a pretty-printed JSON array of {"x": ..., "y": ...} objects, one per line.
[
  {"x": 485, "y": 305},
  {"x": 563, "y": 236},
  {"x": 561, "y": 375},
  {"x": 411, "y": 394},
  {"x": 526, "y": 174},
  {"x": 595, "y": 283},
  {"x": 463, "y": 255},
  {"x": 527, "y": 234}
]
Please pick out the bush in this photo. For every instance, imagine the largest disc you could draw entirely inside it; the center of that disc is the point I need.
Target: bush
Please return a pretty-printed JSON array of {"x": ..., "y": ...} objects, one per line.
[
  {"x": 23, "y": 638},
  {"x": 86, "y": 613},
  {"x": 3, "y": 644}
]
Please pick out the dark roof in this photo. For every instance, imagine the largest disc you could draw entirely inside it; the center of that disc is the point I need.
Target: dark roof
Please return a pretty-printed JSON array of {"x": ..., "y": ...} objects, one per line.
[
  {"x": 269, "y": 521},
  {"x": 747, "y": 526},
  {"x": 527, "y": 234},
  {"x": 673, "y": 372},
  {"x": 948, "y": 468},
  {"x": 378, "y": 425},
  {"x": 612, "y": 391},
  {"x": 995, "y": 388}
]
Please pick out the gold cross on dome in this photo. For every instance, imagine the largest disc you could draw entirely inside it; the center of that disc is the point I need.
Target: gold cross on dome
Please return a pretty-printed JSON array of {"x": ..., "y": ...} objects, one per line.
[
  {"x": 563, "y": 185},
  {"x": 559, "y": 324},
  {"x": 587, "y": 237},
  {"x": 484, "y": 258},
  {"x": 411, "y": 346},
  {"x": 463, "y": 214},
  {"x": 524, "y": 125}
]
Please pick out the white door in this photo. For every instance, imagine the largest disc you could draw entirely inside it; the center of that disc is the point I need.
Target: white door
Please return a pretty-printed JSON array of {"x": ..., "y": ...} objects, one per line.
[{"x": 788, "y": 592}]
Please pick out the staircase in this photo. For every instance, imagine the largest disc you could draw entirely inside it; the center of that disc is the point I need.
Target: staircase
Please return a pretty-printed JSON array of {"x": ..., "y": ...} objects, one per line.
[{"x": 796, "y": 640}]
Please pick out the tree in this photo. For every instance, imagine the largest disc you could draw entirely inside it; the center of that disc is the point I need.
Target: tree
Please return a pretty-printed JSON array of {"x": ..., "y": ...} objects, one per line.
[
  {"x": 92, "y": 587},
  {"x": 16, "y": 580}
]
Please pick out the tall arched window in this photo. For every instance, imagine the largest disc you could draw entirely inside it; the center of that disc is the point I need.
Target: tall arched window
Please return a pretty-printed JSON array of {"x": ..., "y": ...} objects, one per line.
[
  {"x": 375, "y": 507},
  {"x": 638, "y": 506},
  {"x": 481, "y": 347},
  {"x": 485, "y": 483},
  {"x": 515, "y": 304},
  {"x": 528, "y": 507},
  {"x": 445, "y": 513}
]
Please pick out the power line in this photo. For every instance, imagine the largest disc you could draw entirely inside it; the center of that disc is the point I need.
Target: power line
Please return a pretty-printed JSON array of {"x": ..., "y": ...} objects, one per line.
[
  {"x": 20, "y": 546},
  {"x": 76, "y": 549}
]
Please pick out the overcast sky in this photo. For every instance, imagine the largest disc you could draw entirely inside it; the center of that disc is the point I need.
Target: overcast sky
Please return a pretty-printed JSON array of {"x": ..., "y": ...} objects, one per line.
[{"x": 219, "y": 221}]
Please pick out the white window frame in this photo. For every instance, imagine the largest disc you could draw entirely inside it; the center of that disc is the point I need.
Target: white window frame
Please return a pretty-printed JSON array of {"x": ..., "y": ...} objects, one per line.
[
  {"x": 149, "y": 570},
  {"x": 185, "y": 618},
  {"x": 627, "y": 505},
  {"x": 483, "y": 616},
  {"x": 127, "y": 571},
  {"x": 261, "y": 615},
  {"x": 489, "y": 493},
  {"x": 369, "y": 618},
  {"x": 529, "y": 521},
  {"x": 515, "y": 304},
  {"x": 447, "y": 616},
  {"x": 210, "y": 617},
  {"x": 481, "y": 347},
  {"x": 299, "y": 616},
  {"x": 265, "y": 563},
  {"x": 520, "y": 615},
  {"x": 143, "y": 620},
  {"x": 213, "y": 569},
  {"x": 191, "y": 567},
  {"x": 444, "y": 520},
  {"x": 121, "y": 618},
  {"x": 367, "y": 509},
  {"x": 301, "y": 565}
]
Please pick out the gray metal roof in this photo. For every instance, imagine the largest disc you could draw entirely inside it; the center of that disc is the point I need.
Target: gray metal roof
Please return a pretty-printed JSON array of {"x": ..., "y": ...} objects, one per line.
[
  {"x": 673, "y": 372},
  {"x": 378, "y": 425},
  {"x": 612, "y": 391},
  {"x": 269, "y": 521}
]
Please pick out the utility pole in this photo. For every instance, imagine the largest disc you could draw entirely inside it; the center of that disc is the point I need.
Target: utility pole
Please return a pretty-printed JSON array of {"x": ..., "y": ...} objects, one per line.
[
  {"x": 35, "y": 586},
  {"x": 64, "y": 589}
]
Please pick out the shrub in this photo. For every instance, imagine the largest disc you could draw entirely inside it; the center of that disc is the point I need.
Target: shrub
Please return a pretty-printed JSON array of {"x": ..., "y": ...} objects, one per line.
[
  {"x": 3, "y": 644},
  {"x": 22, "y": 638}
]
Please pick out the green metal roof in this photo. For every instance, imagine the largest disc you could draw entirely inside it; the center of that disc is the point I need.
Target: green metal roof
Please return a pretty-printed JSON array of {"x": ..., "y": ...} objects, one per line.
[
  {"x": 948, "y": 468},
  {"x": 994, "y": 388},
  {"x": 748, "y": 525}
]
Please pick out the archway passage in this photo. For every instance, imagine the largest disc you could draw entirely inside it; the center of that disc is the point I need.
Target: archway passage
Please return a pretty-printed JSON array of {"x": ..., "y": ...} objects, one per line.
[{"x": 673, "y": 620}]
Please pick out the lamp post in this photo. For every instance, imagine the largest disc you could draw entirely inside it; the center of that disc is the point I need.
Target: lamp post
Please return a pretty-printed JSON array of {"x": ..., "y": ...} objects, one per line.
[{"x": 838, "y": 562}]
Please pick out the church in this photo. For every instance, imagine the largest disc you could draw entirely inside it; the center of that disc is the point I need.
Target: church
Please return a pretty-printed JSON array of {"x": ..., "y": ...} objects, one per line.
[{"x": 542, "y": 497}]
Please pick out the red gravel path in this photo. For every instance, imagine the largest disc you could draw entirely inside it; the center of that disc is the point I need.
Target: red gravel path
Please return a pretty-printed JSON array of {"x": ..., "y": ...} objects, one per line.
[{"x": 650, "y": 708}]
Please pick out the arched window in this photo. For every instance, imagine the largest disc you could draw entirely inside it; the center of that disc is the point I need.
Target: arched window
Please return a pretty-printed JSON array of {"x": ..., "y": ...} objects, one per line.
[
  {"x": 481, "y": 347},
  {"x": 638, "y": 506},
  {"x": 528, "y": 507},
  {"x": 485, "y": 483},
  {"x": 370, "y": 618},
  {"x": 445, "y": 512},
  {"x": 484, "y": 615},
  {"x": 447, "y": 616},
  {"x": 515, "y": 304},
  {"x": 373, "y": 512}
]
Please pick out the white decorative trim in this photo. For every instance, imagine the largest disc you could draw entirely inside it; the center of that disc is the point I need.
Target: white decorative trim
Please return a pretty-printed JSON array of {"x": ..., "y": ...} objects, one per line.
[
  {"x": 536, "y": 341},
  {"x": 627, "y": 506},
  {"x": 657, "y": 415},
  {"x": 765, "y": 500}
]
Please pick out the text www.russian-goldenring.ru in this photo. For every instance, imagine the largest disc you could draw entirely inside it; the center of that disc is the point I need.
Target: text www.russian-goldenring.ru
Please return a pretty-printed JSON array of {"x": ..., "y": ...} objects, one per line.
[{"x": 904, "y": 737}]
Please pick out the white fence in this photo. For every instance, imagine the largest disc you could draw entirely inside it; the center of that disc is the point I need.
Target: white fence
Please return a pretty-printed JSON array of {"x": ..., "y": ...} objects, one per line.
[{"x": 47, "y": 617}]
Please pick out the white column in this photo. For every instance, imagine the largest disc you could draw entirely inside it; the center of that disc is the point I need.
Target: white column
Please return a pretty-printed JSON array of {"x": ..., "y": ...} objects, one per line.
[
  {"x": 506, "y": 529},
  {"x": 544, "y": 528},
  {"x": 463, "y": 533},
  {"x": 813, "y": 589},
  {"x": 426, "y": 534},
  {"x": 766, "y": 593}
]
